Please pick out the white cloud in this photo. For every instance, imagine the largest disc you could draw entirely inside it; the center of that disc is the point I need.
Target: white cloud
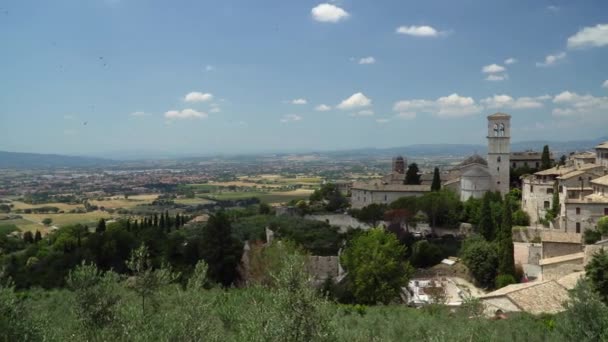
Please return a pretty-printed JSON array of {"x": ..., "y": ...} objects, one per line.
[
  {"x": 574, "y": 104},
  {"x": 290, "y": 118},
  {"x": 367, "y": 60},
  {"x": 497, "y": 77},
  {"x": 382, "y": 120},
  {"x": 215, "y": 110},
  {"x": 209, "y": 68},
  {"x": 551, "y": 60},
  {"x": 406, "y": 115},
  {"x": 510, "y": 61},
  {"x": 299, "y": 101},
  {"x": 605, "y": 84},
  {"x": 506, "y": 101},
  {"x": 328, "y": 13},
  {"x": 418, "y": 31},
  {"x": 453, "y": 105},
  {"x": 139, "y": 114},
  {"x": 595, "y": 36},
  {"x": 492, "y": 69},
  {"x": 197, "y": 96},
  {"x": 185, "y": 114},
  {"x": 553, "y": 8},
  {"x": 356, "y": 100},
  {"x": 365, "y": 112},
  {"x": 322, "y": 108}
]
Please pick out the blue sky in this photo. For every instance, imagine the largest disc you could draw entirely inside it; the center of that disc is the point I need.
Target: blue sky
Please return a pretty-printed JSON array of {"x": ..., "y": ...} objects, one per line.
[{"x": 201, "y": 77}]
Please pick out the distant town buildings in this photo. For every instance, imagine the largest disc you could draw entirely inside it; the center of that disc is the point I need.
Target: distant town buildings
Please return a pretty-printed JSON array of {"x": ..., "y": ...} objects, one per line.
[{"x": 582, "y": 190}]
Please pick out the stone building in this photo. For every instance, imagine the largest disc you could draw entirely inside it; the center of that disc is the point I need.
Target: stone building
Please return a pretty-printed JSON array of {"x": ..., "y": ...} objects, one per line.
[
  {"x": 556, "y": 243},
  {"x": 527, "y": 159},
  {"x": 561, "y": 266},
  {"x": 472, "y": 178},
  {"x": 602, "y": 154}
]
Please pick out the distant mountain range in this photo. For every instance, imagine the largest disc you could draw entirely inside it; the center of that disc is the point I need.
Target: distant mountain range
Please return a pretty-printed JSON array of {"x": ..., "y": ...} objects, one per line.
[{"x": 17, "y": 160}]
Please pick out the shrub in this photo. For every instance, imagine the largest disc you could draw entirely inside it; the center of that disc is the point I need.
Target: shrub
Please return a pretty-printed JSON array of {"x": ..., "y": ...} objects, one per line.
[
  {"x": 425, "y": 254},
  {"x": 521, "y": 218},
  {"x": 504, "y": 280}
]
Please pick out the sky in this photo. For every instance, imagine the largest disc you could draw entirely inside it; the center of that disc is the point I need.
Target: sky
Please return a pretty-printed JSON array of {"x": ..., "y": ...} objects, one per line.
[{"x": 116, "y": 77}]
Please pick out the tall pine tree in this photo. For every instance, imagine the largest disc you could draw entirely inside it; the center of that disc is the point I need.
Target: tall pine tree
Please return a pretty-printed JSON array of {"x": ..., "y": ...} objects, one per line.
[
  {"x": 486, "y": 222},
  {"x": 436, "y": 185},
  {"x": 506, "y": 262},
  {"x": 220, "y": 249},
  {"x": 101, "y": 226},
  {"x": 411, "y": 176},
  {"x": 545, "y": 159}
]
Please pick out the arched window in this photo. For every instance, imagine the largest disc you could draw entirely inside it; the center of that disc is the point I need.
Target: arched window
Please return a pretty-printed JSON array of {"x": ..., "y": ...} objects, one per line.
[
  {"x": 501, "y": 130},
  {"x": 495, "y": 130},
  {"x": 498, "y": 159}
]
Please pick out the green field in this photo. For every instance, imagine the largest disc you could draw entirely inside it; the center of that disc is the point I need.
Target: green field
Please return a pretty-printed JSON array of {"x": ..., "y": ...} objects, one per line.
[
  {"x": 59, "y": 220},
  {"x": 265, "y": 197}
]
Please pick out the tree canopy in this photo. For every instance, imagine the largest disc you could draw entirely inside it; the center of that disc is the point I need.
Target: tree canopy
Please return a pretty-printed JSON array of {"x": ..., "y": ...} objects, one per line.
[{"x": 376, "y": 266}]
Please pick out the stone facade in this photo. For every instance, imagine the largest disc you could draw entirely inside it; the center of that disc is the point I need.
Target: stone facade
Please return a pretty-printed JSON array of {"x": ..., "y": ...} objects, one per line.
[
  {"x": 558, "y": 267},
  {"x": 499, "y": 150},
  {"x": 555, "y": 249}
]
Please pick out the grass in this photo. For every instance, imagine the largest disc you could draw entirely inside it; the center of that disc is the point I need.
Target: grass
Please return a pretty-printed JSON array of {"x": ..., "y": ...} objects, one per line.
[
  {"x": 192, "y": 201},
  {"x": 265, "y": 197},
  {"x": 6, "y": 229},
  {"x": 121, "y": 202},
  {"x": 68, "y": 219},
  {"x": 61, "y": 206}
]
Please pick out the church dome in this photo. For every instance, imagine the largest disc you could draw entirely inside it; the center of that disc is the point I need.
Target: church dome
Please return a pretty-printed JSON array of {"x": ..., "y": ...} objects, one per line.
[{"x": 474, "y": 159}]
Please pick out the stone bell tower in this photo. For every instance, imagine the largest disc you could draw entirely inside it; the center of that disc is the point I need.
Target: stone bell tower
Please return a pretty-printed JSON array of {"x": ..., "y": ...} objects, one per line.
[{"x": 499, "y": 150}]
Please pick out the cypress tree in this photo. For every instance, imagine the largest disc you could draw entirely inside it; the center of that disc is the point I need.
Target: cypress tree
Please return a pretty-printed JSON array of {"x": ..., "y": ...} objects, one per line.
[
  {"x": 28, "y": 237},
  {"x": 155, "y": 220},
  {"x": 161, "y": 224},
  {"x": 177, "y": 221},
  {"x": 506, "y": 262},
  {"x": 101, "y": 226},
  {"x": 167, "y": 219},
  {"x": 411, "y": 176},
  {"x": 128, "y": 225},
  {"x": 436, "y": 185},
  {"x": 545, "y": 159},
  {"x": 37, "y": 236},
  {"x": 486, "y": 223}
]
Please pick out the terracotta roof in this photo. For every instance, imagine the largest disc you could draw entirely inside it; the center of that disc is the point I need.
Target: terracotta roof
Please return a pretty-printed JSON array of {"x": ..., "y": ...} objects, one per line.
[
  {"x": 534, "y": 297},
  {"x": 601, "y": 180},
  {"x": 555, "y": 171},
  {"x": 603, "y": 145},
  {"x": 499, "y": 116},
  {"x": 569, "y": 281},
  {"x": 556, "y": 236},
  {"x": 561, "y": 258}
]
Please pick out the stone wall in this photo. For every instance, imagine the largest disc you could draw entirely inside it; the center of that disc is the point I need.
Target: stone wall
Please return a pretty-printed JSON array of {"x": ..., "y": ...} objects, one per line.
[
  {"x": 554, "y": 249},
  {"x": 321, "y": 267},
  {"x": 558, "y": 270}
]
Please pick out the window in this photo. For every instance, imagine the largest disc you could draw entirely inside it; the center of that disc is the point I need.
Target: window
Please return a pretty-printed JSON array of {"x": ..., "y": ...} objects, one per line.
[
  {"x": 578, "y": 211},
  {"x": 385, "y": 198},
  {"x": 578, "y": 227},
  {"x": 495, "y": 130},
  {"x": 501, "y": 130},
  {"x": 547, "y": 204},
  {"x": 549, "y": 190},
  {"x": 537, "y": 165},
  {"x": 560, "y": 189},
  {"x": 514, "y": 165},
  {"x": 498, "y": 159},
  {"x": 605, "y": 211}
]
